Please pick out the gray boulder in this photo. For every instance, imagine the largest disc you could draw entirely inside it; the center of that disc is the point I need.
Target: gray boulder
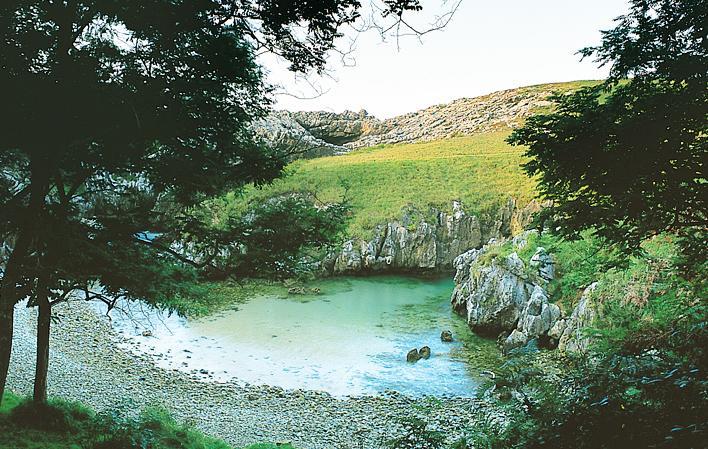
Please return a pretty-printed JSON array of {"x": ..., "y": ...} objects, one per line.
[
  {"x": 543, "y": 262},
  {"x": 515, "y": 340},
  {"x": 573, "y": 337},
  {"x": 502, "y": 295},
  {"x": 491, "y": 297}
]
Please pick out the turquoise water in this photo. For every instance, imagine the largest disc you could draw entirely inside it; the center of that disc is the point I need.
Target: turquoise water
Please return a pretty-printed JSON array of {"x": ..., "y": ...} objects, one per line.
[{"x": 350, "y": 340}]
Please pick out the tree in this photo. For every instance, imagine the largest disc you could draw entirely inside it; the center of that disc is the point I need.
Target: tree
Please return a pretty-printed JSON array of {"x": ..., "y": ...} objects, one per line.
[
  {"x": 116, "y": 115},
  {"x": 282, "y": 236},
  {"x": 627, "y": 158}
]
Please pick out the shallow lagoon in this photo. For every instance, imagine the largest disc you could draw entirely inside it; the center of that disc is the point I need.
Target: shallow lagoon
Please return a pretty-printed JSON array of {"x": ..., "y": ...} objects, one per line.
[{"x": 350, "y": 340}]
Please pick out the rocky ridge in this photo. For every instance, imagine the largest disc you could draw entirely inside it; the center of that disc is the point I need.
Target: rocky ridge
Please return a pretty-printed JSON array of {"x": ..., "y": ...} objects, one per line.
[
  {"x": 506, "y": 297},
  {"x": 323, "y": 133},
  {"x": 430, "y": 243}
]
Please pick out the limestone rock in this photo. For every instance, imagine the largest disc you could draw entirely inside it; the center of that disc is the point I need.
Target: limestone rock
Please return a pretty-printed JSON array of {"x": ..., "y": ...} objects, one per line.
[
  {"x": 340, "y": 128},
  {"x": 465, "y": 116},
  {"x": 543, "y": 262},
  {"x": 280, "y": 129},
  {"x": 499, "y": 296},
  {"x": 321, "y": 133},
  {"x": 515, "y": 340},
  {"x": 491, "y": 297},
  {"x": 557, "y": 330},
  {"x": 573, "y": 338},
  {"x": 421, "y": 244}
]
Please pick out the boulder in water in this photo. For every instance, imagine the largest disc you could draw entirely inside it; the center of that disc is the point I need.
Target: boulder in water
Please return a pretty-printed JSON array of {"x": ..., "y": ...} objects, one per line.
[
  {"x": 424, "y": 352},
  {"x": 412, "y": 356},
  {"x": 446, "y": 336}
]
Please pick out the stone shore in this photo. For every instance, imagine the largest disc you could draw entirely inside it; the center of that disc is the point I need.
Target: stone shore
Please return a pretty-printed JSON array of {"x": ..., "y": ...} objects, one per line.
[{"x": 87, "y": 364}]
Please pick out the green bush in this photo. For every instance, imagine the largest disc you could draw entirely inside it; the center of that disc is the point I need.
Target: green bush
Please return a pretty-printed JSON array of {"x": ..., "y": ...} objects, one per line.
[
  {"x": 417, "y": 435},
  {"x": 56, "y": 416},
  {"x": 68, "y": 425}
]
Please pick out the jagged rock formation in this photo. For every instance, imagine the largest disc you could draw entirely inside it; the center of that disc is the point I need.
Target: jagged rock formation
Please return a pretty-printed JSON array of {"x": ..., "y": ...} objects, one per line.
[
  {"x": 326, "y": 133},
  {"x": 430, "y": 244},
  {"x": 465, "y": 116},
  {"x": 340, "y": 129},
  {"x": 280, "y": 129},
  {"x": 502, "y": 295},
  {"x": 570, "y": 331}
]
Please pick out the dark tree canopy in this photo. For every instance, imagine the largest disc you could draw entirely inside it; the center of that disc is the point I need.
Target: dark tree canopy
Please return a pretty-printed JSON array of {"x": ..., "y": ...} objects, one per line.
[
  {"x": 627, "y": 158},
  {"x": 118, "y": 114}
]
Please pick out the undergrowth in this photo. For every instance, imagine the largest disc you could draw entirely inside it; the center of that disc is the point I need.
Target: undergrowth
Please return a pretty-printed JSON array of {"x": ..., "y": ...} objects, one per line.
[{"x": 60, "y": 424}]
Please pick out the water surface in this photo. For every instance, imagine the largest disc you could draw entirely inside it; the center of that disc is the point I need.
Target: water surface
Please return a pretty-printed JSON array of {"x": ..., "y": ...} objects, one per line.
[{"x": 350, "y": 340}]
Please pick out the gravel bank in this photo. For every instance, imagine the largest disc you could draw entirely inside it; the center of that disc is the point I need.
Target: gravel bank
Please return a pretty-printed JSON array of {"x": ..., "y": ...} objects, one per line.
[{"x": 88, "y": 366}]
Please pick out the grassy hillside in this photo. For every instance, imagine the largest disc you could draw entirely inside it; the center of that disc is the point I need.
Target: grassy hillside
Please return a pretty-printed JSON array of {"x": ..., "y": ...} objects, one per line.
[{"x": 480, "y": 170}]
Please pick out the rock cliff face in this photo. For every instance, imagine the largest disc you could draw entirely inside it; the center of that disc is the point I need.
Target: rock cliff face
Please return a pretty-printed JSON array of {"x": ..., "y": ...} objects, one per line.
[
  {"x": 502, "y": 295},
  {"x": 323, "y": 133},
  {"x": 340, "y": 129},
  {"x": 282, "y": 130},
  {"x": 429, "y": 244}
]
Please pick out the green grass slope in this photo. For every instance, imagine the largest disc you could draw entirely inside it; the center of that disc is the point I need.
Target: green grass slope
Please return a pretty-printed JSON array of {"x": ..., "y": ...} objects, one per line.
[{"x": 481, "y": 171}]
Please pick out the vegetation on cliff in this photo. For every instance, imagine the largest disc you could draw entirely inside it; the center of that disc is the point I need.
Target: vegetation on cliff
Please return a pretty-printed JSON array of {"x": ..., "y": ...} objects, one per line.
[{"x": 482, "y": 171}]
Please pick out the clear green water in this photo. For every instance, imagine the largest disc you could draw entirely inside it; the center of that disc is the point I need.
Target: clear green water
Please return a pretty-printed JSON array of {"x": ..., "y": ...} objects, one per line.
[{"x": 350, "y": 340}]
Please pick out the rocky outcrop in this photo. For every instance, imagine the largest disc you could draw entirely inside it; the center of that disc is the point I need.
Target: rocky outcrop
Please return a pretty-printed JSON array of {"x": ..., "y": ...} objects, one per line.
[
  {"x": 428, "y": 244},
  {"x": 499, "y": 110},
  {"x": 281, "y": 130},
  {"x": 571, "y": 332},
  {"x": 322, "y": 133},
  {"x": 501, "y": 295},
  {"x": 340, "y": 129}
]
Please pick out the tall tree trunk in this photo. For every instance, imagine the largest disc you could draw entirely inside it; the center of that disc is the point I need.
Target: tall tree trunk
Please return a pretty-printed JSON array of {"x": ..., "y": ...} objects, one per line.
[
  {"x": 7, "y": 311},
  {"x": 44, "y": 320},
  {"x": 8, "y": 298},
  {"x": 29, "y": 223}
]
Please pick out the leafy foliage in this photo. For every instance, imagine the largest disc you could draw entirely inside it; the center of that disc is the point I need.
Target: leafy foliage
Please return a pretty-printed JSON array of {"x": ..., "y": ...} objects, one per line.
[
  {"x": 270, "y": 238},
  {"x": 626, "y": 159},
  {"x": 417, "y": 435},
  {"x": 644, "y": 382},
  {"x": 123, "y": 114}
]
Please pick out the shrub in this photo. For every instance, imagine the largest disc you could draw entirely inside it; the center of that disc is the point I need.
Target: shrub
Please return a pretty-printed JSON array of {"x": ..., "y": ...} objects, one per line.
[
  {"x": 417, "y": 435},
  {"x": 55, "y": 416}
]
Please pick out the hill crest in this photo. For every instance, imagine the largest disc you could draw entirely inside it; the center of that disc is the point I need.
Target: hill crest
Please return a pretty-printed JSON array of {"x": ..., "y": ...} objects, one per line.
[{"x": 326, "y": 133}]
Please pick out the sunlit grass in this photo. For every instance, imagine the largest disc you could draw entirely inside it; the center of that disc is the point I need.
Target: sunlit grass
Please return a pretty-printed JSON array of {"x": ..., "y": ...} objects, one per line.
[{"x": 481, "y": 171}]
